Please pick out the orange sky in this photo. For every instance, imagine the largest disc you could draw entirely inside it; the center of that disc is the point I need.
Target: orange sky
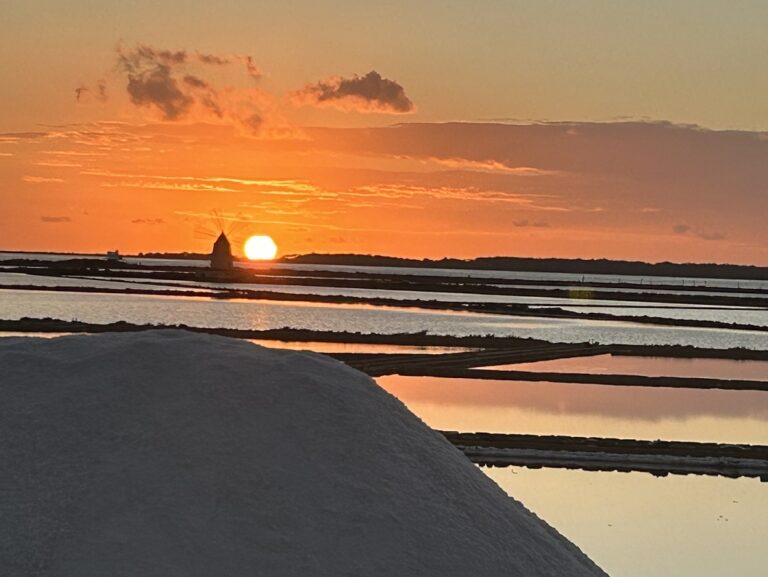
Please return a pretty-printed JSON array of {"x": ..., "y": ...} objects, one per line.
[
  {"x": 645, "y": 191},
  {"x": 132, "y": 147}
]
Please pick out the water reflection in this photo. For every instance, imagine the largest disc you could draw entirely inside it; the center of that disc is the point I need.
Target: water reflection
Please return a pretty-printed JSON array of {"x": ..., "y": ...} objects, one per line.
[
  {"x": 649, "y": 366},
  {"x": 204, "y": 312},
  {"x": 14, "y": 334},
  {"x": 318, "y": 347},
  {"x": 668, "y": 310},
  {"x": 636, "y": 525},
  {"x": 585, "y": 410},
  {"x": 21, "y": 279}
]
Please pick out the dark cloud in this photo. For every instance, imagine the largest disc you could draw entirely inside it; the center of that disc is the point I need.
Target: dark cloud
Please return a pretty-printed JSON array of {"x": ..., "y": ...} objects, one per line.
[
  {"x": 681, "y": 229},
  {"x": 369, "y": 93},
  {"x": 205, "y": 94},
  {"x": 151, "y": 81},
  {"x": 55, "y": 219},
  {"x": 251, "y": 68},
  {"x": 253, "y": 121},
  {"x": 161, "y": 79},
  {"x": 213, "y": 59},
  {"x": 158, "y": 88},
  {"x": 168, "y": 57},
  {"x": 99, "y": 92},
  {"x": 195, "y": 82}
]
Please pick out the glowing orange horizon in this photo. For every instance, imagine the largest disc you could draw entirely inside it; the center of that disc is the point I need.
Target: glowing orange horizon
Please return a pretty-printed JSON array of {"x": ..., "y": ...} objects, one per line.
[{"x": 411, "y": 191}]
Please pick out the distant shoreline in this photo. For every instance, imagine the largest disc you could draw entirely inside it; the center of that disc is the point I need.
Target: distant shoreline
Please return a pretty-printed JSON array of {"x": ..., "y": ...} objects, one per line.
[
  {"x": 545, "y": 265},
  {"x": 495, "y": 263}
]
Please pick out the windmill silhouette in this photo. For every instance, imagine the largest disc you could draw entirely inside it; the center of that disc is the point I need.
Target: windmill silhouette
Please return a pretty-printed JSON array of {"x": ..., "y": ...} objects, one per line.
[
  {"x": 222, "y": 229},
  {"x": 221, "y": 255}
]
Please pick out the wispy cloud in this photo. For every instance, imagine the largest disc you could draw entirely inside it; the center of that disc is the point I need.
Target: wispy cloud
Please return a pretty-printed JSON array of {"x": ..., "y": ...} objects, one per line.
[
  {"x": 98, "y": 92},
  {"x": 242, "y": 218},
  {"x": 14, "y": 137},
  {"x": 684, "y": 229},
  {"x": 492, "y": 166},
  {"x": 74, "y": 153},
  {"x": 172, "y": 186},
  {"x": 57, "y": 164},
  {"x": 55, "y": 219},
  {"x": 711, "y": 235},
  {"x": 530, "y": 224},
  {"x": 396, "y": 191},
  {"x": 165, "y": 181},
  {"x": 40, "y": 179}
]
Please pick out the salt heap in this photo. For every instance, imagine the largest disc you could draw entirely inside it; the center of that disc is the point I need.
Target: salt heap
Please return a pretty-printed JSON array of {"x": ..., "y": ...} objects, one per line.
[{"x": 167, "y": 453}]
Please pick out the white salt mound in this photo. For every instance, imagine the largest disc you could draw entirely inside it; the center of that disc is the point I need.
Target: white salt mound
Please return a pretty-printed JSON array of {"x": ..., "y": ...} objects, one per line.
[{"x": 167, "y": 454}]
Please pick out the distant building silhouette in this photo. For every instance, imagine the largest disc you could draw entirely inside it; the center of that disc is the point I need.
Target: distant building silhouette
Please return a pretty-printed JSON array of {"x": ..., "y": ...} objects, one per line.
[{"x": 221, "y": 256}]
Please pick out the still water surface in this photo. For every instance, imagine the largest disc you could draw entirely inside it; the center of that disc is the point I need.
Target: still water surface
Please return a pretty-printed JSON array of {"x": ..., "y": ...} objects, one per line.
[
  {"x": 245, "y": 314},
  {"x": 649, "y": 366},
  {"x": 543, "y": 408},
  {"x": 637, "y": 525},
  {"x": 631, "y": 524}
]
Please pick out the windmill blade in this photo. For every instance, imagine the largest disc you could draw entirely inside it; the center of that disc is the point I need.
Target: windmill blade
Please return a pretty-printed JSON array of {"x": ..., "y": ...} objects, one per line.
[{"x": 202, "y": 231}]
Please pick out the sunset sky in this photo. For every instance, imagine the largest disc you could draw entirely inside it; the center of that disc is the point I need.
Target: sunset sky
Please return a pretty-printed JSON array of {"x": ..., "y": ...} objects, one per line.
[{"x": 421, "y": 129}]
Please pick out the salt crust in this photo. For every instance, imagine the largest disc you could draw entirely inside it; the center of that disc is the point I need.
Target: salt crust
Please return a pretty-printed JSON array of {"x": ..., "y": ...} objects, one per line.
[{"x": 168, "y": 453}]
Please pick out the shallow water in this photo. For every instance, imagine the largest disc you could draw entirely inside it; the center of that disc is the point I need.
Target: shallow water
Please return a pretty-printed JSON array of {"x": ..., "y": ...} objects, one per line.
[
  {"x": 542, "y": 408},
  {"x": 631, "y": 524},
  {"x": 637, "y": 525},
  {"x": 744, "y": 316},
  {"x": 626, "y": 308},
  {"x": 206, "y": 312},
  {"x": 589, "y": 292},
  {"x": 320, "y": 347},
  {"x": 649, "y": 366},
  {"x": 22, "y": 279},
  {"x": 632, "y": 308}
]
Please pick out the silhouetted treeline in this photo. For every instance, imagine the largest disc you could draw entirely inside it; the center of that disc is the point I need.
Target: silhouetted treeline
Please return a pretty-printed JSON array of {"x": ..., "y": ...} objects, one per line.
[
  {"x": 574, "y": 266},
  {"x": 175, "y": 255}
]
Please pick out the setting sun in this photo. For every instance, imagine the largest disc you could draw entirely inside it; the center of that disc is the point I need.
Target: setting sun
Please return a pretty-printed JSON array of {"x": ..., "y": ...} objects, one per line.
[{"x": 260, "y": 247}]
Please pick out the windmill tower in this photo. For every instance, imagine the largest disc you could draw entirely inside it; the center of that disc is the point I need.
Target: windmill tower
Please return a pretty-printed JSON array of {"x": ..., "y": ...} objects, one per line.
[{"x": 221, "y": 255}]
